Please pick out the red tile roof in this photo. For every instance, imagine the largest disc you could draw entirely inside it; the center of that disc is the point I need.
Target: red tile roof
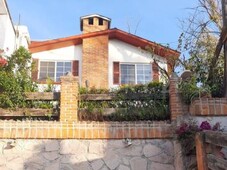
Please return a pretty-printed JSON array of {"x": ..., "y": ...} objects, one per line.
[{"x": 39, "y": 46}]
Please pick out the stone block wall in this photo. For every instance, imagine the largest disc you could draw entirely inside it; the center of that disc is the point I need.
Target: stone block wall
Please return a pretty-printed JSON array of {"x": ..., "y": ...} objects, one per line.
[{"x": 86, "y": 155}]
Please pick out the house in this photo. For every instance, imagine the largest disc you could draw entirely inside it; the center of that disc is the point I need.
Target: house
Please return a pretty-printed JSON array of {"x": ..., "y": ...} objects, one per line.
[
  {"x": 101, "y": 57},
  {"x": 7, "y": 31},
  {"x": 11, "y": 37}
]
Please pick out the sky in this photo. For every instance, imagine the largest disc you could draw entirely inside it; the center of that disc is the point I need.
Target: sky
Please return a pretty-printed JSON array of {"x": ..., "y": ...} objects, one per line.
[{"x": 155, "y": 20}]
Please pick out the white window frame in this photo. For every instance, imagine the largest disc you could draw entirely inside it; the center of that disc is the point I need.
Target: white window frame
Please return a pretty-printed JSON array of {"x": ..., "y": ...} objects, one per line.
[
  {"x": 55, "y": 67},
  {"x": 136, "y": 64}
]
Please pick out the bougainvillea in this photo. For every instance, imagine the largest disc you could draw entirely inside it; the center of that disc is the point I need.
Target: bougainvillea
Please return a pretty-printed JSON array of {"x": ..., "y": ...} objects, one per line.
[
  {"x": 205, "y": 126},
  {"x": 3, "y": 62},
  {"x": 187, "y": 130}
]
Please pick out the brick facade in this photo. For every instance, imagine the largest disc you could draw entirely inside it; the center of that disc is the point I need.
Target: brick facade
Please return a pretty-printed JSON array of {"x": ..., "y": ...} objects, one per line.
[
  {"x": 95, "y": 57},
  {"x": 95, "y": 53},
  {"x": 95, "y": 26},
  {"x": 209, "y": 107},
  {"x": 176, "y": 106},
  {"x": 69, "y": 98},
  {"x": 84, "y": 130}
]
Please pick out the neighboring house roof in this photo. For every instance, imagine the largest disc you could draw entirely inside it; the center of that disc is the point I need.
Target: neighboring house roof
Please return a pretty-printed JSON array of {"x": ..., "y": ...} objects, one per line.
[{"x": 39, "y": 46}]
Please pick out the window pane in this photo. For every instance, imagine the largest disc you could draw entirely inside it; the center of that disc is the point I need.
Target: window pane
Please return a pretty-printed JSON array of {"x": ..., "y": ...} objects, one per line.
[
  {"x": 62, "y": 69},
  {"x": 139, "y": 71},
  {"x": 59, "y": 64},
  {"x": 42, "y": 76},
  {"x": 59, "y": 69},
  {"x": 59, "y": 74},
  {"x": 68, "y": 64},
  {"x": 51, "y": 74},
  {"x": 43, "y": 64},
  {"x": 127, "y": 74},
  {"x": 147, "y": 71},
  {"x": 139, "y": 67},
  {"x": 47, "y": 70},
  {"x": 51, "y": 69},
  {"x": 143, "y": 73},
  {"x": 68, "y": 69}
]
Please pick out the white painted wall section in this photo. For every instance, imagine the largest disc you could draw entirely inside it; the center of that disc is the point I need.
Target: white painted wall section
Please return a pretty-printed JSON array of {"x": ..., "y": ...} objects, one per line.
[
  {"x": 118, "y": 51},
  {"x": 8, "y": 37},
  {"x": 23, "y": 38},
  {"x": 126, "y": 53},
  {"x": 62, "y": 54}
]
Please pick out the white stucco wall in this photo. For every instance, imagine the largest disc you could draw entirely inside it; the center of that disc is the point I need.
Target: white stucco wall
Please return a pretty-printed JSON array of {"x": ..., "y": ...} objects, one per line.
[
  {"x": 118, "y": 51},
  {"x": 62, "y": 54},
  {"x": 10, "y": 38},
  {"x": 23, "y": 38},
  {"x": 7, "y": 35},
  {"x": 9, "y": 42},
  {"x": 126, "y": 53}
]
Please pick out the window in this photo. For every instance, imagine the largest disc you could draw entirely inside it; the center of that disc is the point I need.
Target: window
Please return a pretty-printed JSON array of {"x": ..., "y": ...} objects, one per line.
[
  {"x": 135, "y": 73},
  {"x": 54, "y": 69},
  {"x": 90, "y": 21},
  {"x": 100, "y": 21},
  {"x": 62, "y": 69}
]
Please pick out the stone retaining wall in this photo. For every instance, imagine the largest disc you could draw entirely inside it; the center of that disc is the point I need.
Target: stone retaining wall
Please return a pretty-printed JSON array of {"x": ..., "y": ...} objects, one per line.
[{"x": 157, "y": 154}]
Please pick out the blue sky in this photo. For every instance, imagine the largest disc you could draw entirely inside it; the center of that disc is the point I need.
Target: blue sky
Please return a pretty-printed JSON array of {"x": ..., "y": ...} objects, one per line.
[{"x": 157, "y": 20}]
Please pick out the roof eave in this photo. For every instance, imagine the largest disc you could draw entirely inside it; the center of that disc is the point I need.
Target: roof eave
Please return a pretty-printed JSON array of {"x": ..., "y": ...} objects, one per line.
[{"x": 113, "y": 34}]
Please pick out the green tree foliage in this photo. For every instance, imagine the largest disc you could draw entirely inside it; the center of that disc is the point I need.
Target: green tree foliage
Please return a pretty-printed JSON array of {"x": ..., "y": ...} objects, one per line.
[
  {"x": 201, "y": 31},
  {"x": 15, "y": 79}
]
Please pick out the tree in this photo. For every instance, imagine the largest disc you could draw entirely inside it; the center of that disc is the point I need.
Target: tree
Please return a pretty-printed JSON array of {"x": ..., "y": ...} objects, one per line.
[
  {"x": 201, "y": 32},
  {"x": 15, "y": 79},
  {"x": 171, "y": 61}
]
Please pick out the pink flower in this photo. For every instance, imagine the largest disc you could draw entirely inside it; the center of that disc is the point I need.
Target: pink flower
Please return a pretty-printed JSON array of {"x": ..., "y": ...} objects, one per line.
[
  {"x": 217, "y": 126},
  {"x": 205, "y": 126},
  {"x": 3, "y": 62},
  {"x": 182, "y": 129}
]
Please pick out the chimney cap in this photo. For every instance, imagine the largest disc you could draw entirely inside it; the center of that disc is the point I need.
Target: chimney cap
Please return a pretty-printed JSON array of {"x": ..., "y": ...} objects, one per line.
[{"x": 92, "y": 16}]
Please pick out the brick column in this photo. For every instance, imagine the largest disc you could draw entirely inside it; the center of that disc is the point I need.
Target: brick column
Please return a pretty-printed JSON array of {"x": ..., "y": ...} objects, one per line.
[
  {"x": 69, "y": 98},
  {"x": 178, "y": 156},
  {"x": 201, "y": 151},
  {"x": 176, "y": 107}
]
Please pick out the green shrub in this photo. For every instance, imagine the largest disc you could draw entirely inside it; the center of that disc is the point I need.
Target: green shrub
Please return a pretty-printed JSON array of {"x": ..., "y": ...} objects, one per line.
[
  {"x": 132, "y": 102},
  {"x": 92, "y": 90},
  {"x": 15, "y": 79},
  {"x": 10, "y": 91},
  {"x": 190, "y": 90}
]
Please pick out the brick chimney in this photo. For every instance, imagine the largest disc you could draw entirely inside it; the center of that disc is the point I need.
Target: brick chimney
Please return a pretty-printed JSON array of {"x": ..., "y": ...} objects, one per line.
[
  {"x": 95, "y": 22},
  {"x": 95, "y": 51}
]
